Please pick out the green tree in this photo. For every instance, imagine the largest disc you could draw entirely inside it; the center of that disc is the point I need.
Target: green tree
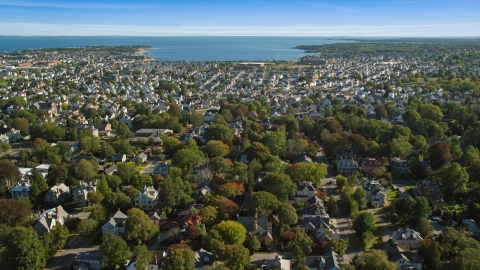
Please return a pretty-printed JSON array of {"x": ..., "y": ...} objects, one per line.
[
  {"x": 216, "y": 149},
  {"x": 312, "y": 172},
  {"x": 219, "y": 133},
  {"x": 179, "y": 257},
  {"x": 453, "y": 177},
  {"x": 399, "y": 148},
  {"x": 138, "y": 226},
  {"x": 123, "y": 131},
  {"x": 14, "y": 213},
  {"x": 185, "y": 159},
  {"x": 332, "y": 206},
  {"x": 95, "y": 197},
  {"x": 235, "y": 256},
  {"x": 431, "y": 112},
  {"x": 22, "y": 250},
  {"x": 280, "y": 185},
  {"x": 341, "y": 182},
  {"x": 439, "y": 154},
  {"x": 430, "y": 250},
  {"x": 424, "y": 228},
  {"x": 87, "y": 226},
  {"x": 208, "y": 214},
  {"x": 339, "y": 245},
  {"x": 126, "y": 171},
  {"x": 57, "y": 173},
  {"x": 360, "y": 195},
  {"x": 420, "y": 210},
  {"x": 253, "y": 244},
  {"x": 102, "y": 186},
  {"x": 263, "y": 202},
  {"x": 38, "y": 187},
  {"x": 115, "y": 250},
  {"x": 172, "y": 145},
  {"x": 373, "y": 259},
  {"x": 143, "y": 255},
  {"x": 86, "y": 169},
  {"x": 231, "y": 232},
  {"x": 99, "y": 213},
  {"x": 302, "y": 241},
  {"x": 276, "y": 143},
  {"x": 287, "y": 214},
  {"x": 364, "y": 222}
]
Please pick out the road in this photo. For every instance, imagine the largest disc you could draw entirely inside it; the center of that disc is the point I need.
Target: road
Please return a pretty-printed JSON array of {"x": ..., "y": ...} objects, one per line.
[{"x": 63, "y": 258}]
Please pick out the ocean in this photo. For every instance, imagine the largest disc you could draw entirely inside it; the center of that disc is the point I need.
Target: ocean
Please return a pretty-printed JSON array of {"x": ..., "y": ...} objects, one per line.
[{"x": 184, "y": 48}]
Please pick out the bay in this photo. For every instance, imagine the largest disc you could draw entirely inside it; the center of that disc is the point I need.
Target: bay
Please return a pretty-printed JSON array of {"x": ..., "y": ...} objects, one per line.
[{"x": 184, "y": 48}]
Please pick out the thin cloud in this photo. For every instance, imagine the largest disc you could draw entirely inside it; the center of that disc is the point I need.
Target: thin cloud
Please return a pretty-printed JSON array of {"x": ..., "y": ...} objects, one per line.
[
  {"x": 427, "y": 30},
  {"x": 73, "y": 5}
]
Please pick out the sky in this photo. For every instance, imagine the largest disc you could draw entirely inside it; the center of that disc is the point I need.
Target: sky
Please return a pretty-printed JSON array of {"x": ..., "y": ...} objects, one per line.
[{"x": 369, "y": 18}]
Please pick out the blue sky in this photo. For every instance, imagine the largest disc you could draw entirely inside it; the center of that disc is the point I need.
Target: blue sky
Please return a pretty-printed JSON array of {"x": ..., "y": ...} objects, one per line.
[{"x": 241, "y": 18}]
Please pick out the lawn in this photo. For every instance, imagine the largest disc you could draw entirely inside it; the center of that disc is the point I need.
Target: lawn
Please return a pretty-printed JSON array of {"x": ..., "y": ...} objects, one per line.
[
  {"x": 452, "y": 206},
  {"x": 391, "y": 195}
]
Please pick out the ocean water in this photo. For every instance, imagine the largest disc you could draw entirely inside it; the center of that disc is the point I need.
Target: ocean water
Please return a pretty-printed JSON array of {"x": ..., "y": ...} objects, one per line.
[{"x": 184, "y": 48}]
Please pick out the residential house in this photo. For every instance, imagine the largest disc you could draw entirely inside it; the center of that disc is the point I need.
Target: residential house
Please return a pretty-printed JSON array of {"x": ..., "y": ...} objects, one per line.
[
  {"x": 329, "y": 261},
  {"x": 472, "y": 227},
  {"x": 432, "y": 192},
  {"x": 347, "y": 166},
  {"x": 119, "y": 158},
  {"x": 407, "y": 238},
  {"x": 278, "y": 262},
  {"x": 346, "y": 154},
  {"x": 146, "y": 199},
  {"x": 305, "y": 190},
  {"x": 115, "y": 225},
  {"x": 376, "y": 193},
  {"x": 21, "y": 190},
  {"x": 202, "y": 191},
  {"x": 80, "y": 194},
  {"x": 370, "y": 165},
  {"x": 155, "y": 217},
  {"x": 399, "y": 167},
  {"x": 13, "y": 135},
  {"x": 48, "y": 219},
  {"x": 154, "y": 264},
  {"x": 161, "y": 171},
  {"x": 103, "y": 129},
  {"x": 258, "y": 226},
  {"x": 140, "y": 158},
  {"x": 57, "y": 194},
  {"x": 92, "y": 260},
  {"x": 203, "y": 258},
  {"x": 405, "y": 259},
  {"x": 110, "y": 170}
]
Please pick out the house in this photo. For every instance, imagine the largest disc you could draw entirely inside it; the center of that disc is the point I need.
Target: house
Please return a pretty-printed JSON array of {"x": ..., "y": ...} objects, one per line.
[
  {"x": 57, "y": 194},
  {"x": 318, "y": 227},
  {"x": 48, "y": 219},
  {"x": 140, "y": 158},
  {"x": 80, "y": 194},
  {"x": 203, "y": 258},
  {"x": 110, "y": 170},
  {"x": 13, "y": 135},
  {"x": 472, "y": 227},
  {"x": 204, "y": 190},
  {"x": 347, "y": 166},
  {"x": 329, "y": 261},
  {"x": 407, "y": 238},
  {"x": 160, "y": 171},
  {"x": 21, "y": 190},
  {"x": 103, "y": 129},
  {"x": 305, "y": 189},
  {"x": 278, "y": 262},
  {"x": 346, "y": 154},
  {"x": 119, "y": 158},
  {"x": 146, "y": 199},
  {"x": 399, "y": 167},
  {"x": 115, "y": 225},
  {"x": 155, "y": 264},
  {"x": 432, "y": 192},
  {"x": 92, "y": 260},
  {"x": 405, "y": 259},
  {"x": 370, "y": 165},
  {"x": 376, "y": 193},
  {"x": 258, "y": 226},
  {"x": 155, "y": 217}
]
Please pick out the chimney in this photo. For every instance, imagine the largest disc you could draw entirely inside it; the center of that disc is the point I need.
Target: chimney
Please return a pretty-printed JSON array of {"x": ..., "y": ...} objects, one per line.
[
  {"x": 156, "y": 260},
  {"x": 56, "y": 209},
  {"x": 43, "y": 211},
  {"x": 47, "y": 215}
]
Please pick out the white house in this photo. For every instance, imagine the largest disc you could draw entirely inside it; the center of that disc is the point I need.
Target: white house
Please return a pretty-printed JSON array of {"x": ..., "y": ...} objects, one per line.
[
  {"x": 115, "y": 225},
  {"x": 407, "y": 238}
]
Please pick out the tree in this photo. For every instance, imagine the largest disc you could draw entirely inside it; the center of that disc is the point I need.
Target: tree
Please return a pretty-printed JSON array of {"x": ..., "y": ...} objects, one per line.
[
  {"x": 253, "y": 243},
  {"x": 360, "y": 195},
  {"x": 143, "y": 255},
  {"x": 219, "y": 132},
  {"x": 38, "y": 187},
  {"x": 20, "y": 124},
  {"x": 208, "y": 214},
  {"x": 304, "y": 171},
  {"x": 302, "y": 241},
  {"x": 235, "y": 256},
  {"x": 115, "y": 250},
  {"x": 122, "y": 146},
  {"x": 226, "y": 208},
  {"x": 439, "y": 154},
  {"x": 193, "y": 233},
  {"x": 424, "y": 228},
  {"x": 138, "y": 226},
  {"x": 215, "y": 148},
  {"x": 373, "y": 259},
  {"x": 332, "y": 207},
  {"x": 172, "y": 145},
  {"x": 126, "y": 171},
  {"x": 333, "y": 126},
  {"x": 399, "y": 148},
  {"x": 95, "y": 197},
  {"x": 453, "y": 177},
  {"x": 420, "y": 209},
  {"x": 231, "y": 232},
  {"x": 280, "y": 185},
  {"x": 339, "y": 245},
  {"x": 40, "y": 149},
  {"x": 430, "y": 250},
  {"x": 431, "y": 112},
  {"x": 86, "y": 169},
  {"x": 123, "y": 131},
  {"x": 276, "y": 143},
  {"x": 9, "y": 176},
  {"x": 22, "y": 250},
  {"x": 185, "y": 159},
  {"x": 364, "y": 222},
  {"x": 263, "y": 202},
  {"x": 179, "y": 257},
  {"x": 99, "y": 213},
  {"x": 287, "y": 214},
  {"x": 381, "y": 112},
  {"x": 57, "y": 173},
  {"x": 341, "y": 182},
  {"x": 102, "y": 186},
  {"x": 87, "y": 226},
  {"x": 14, "y": 213}
]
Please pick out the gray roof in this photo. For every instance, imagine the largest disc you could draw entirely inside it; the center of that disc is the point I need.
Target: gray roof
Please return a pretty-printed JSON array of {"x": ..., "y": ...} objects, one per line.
[{"x": 330, "y": 260}]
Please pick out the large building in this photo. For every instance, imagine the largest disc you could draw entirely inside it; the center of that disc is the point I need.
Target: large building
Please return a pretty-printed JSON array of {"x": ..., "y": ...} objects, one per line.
[{"x": 146, "y": 199}]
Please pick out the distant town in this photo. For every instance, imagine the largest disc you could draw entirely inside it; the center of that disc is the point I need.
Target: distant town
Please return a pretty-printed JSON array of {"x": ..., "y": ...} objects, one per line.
[{"x": 358, "y": 156}]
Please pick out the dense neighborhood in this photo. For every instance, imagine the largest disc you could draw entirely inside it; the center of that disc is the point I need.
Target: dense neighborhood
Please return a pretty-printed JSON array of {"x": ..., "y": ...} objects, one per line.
[{"x": 340, "y": 160}]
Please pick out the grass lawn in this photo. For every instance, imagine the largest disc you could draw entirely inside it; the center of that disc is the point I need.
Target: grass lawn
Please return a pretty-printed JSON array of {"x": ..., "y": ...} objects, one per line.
[{"x": 454, "y": 206}]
